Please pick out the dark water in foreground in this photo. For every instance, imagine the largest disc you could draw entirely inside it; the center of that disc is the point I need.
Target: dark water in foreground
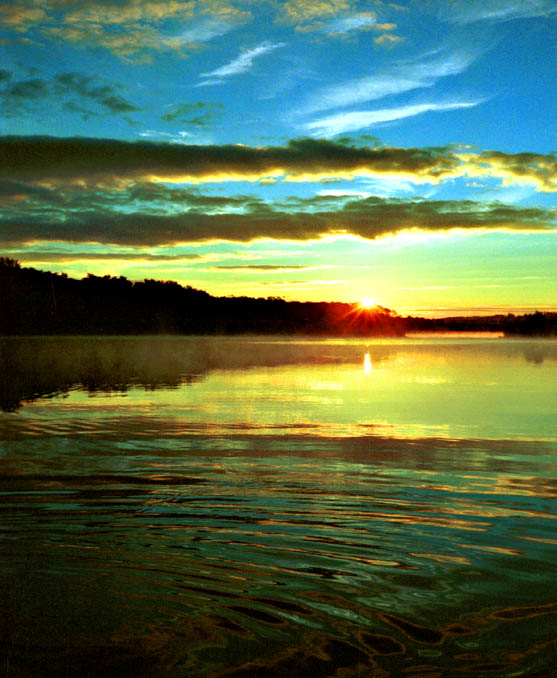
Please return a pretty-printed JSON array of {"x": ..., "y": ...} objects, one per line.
[{"x": 258, "y": 507}]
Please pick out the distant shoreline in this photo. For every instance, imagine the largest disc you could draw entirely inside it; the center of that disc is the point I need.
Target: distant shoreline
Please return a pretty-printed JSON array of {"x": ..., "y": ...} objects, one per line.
[{"x": 35, "y": 302}]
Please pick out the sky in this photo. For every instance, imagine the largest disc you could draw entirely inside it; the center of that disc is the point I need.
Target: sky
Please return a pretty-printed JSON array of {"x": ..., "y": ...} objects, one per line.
[{"x": 322, "y": 150}]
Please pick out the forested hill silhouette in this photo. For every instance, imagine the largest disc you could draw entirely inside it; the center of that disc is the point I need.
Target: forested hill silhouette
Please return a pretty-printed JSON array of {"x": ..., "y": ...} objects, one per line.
[{"x": 40, "y": 302}]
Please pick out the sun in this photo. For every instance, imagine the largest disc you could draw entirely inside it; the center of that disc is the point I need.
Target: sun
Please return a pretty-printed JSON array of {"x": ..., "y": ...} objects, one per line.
[{"x": 367, "y": 302}]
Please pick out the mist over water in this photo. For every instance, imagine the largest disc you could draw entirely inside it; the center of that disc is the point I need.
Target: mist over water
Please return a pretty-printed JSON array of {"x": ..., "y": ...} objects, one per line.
[{"x": 262, "y": 506}]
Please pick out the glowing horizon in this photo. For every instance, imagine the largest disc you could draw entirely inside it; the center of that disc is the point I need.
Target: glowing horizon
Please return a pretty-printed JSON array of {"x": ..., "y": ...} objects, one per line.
[{"x": 256, "y": 153}]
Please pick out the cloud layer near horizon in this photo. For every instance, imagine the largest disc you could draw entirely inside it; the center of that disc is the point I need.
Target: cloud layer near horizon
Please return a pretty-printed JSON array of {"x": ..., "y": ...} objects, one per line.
[
  {"x": 112, "y": 193},
  {"x": 32, "y": 220},
  {"x": 52, "y": 160}
]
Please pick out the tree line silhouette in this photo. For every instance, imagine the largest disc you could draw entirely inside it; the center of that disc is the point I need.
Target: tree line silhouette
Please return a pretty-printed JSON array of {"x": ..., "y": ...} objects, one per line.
[
  {"x": 44, "y": 303},
  {"x": 40, "y": 302}
]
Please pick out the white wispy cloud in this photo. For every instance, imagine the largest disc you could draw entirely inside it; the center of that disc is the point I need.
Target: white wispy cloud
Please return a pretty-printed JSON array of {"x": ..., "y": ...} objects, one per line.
[
  {"x": 470, "y": 11},
  {"x": 357, "y": 120},
  {"x": 344, "y": 193},
  {"x": 402, "y": 77},
  {"x": 356, "y": 22},
  {"x": 179, "y": 137},
  {"x": 392, "y": 186},
  {"x": 240, "y": 64},
  {"x": 206, "y": 30}
]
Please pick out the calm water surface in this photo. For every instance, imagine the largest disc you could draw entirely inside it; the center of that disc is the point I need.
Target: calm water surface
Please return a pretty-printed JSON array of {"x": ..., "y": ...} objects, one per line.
[{"x": 269, "y": 507}]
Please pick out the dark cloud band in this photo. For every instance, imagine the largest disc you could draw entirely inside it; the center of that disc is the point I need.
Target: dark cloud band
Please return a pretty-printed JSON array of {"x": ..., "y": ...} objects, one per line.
[
  {"x": 369, "y": 218},
  {"x": 57, "y": 256},
  {"x": 53, "y": 159},
  {"x": 67, "y": 159}
]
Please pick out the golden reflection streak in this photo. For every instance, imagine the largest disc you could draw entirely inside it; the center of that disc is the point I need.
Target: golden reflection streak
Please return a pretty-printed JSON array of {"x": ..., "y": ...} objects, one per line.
[
  {"x": 492, "y": 549},
  {"x": 441, "y": 558},
  {"x": 492, "y": 511},
  {"x": 507, "y": 487},
  {"x": 367, "y": 364},
  {"x": 541, "y": 540}
]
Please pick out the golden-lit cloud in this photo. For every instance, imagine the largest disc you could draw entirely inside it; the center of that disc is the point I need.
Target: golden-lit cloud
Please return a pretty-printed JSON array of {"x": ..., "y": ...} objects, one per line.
[
  {"x": 335, "y": 18},
  {"x": 385, "y": 27},
  {"x": 128, "y": 44},
  {"x": 131, "y": 29},
  {"x": 534, "y": 168},
  {"x": 49, "y": 160},
  {"x": 135, "y": 29},
  {"x": 368, "y": 218},
  {"x": 46, "y": 159},
  {"x": 302, "y": 11},
  {"x": 20, "y": 17},
  {"x": 388, "y": 39}
]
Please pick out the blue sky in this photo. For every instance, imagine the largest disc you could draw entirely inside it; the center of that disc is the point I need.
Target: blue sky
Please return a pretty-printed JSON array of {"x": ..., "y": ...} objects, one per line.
[{"x": 309, "y": 149}]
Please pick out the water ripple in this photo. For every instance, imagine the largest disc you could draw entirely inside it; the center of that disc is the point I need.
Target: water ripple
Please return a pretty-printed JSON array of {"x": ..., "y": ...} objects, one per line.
[{"x": 146, "y": 535}]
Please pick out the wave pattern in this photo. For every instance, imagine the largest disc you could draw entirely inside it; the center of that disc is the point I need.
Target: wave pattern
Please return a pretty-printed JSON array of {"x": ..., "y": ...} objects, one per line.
[{"x": 147, "y": 542}]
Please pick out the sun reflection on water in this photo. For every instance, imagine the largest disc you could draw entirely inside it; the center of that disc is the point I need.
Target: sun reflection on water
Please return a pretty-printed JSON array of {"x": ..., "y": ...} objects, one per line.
[{"x": 367, "y": 364}]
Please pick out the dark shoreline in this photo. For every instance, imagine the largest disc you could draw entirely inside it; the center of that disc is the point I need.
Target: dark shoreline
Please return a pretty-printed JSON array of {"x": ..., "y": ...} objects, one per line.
[{"x": 35, "y": 302}]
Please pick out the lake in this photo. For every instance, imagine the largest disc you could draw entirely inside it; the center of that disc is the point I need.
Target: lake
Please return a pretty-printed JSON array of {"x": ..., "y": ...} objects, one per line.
[{"x": 265, "y": 506}]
